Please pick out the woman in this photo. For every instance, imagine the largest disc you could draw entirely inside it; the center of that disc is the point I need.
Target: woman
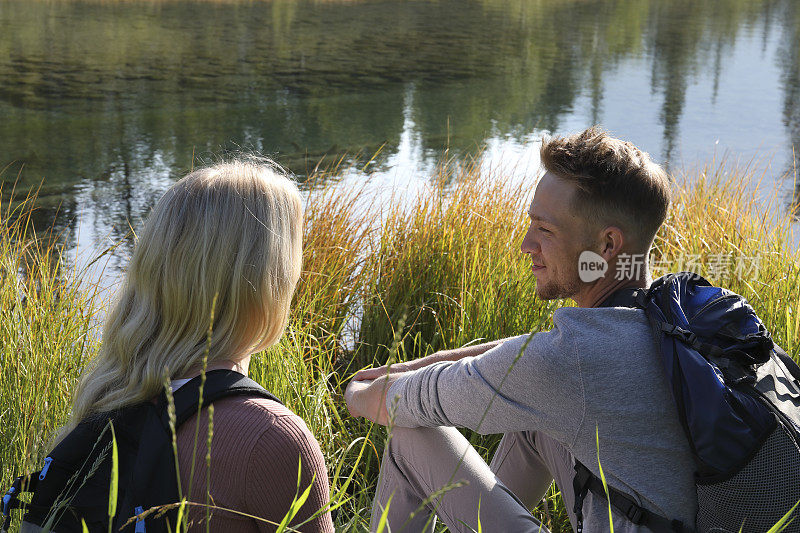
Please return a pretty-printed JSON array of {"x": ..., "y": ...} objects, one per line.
[{"x": 223, "y": 242}]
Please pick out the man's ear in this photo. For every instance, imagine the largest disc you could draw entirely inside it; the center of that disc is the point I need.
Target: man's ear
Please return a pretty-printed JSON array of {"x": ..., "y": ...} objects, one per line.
[{"x": 612, "y": 241}]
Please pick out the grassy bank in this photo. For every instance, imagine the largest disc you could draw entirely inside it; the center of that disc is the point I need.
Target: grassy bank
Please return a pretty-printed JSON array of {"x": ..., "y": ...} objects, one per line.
[{"x": 380, "y": 281}]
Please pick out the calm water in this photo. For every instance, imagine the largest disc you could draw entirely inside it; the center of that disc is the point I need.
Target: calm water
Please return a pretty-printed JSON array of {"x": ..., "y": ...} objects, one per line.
[{"x": 107, "y": 101}]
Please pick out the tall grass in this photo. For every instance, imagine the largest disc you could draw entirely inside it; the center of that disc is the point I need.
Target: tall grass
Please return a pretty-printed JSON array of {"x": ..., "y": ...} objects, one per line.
[
  {"x": 726, "y": 226},
  {"x": 45, "y": 338},
  {"x": 397, "y": 280},
  {"x": 449, "y": 268}
]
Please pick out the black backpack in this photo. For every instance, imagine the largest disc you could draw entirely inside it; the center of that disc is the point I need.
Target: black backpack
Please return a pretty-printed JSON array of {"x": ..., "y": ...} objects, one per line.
[
  {"x": 73, "y": 484},
  {"x": 737, "y": 396}
]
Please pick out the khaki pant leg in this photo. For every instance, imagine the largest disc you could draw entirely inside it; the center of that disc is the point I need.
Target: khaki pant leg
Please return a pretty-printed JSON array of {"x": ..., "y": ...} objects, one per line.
[
  {"x": 519, "y": 466},
  {"x": 421, "y": 461},
  {"x": 528, "y": 461}
]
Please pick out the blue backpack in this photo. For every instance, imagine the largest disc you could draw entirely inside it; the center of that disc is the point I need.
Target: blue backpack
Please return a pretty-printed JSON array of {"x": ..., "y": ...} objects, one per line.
[{"x": 737, "y": 396}]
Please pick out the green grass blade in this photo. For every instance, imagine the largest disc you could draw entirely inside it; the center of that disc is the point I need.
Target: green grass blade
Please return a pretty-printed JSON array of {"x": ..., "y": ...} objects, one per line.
[
  {"x": 299, "y": 499},
  {"x": 603, "y": 479},
  {"x": 114, "y": 483},
  {"x": 480, "y": 528},
  {"x": 784, "y": 522},
  {"x": 385, "y": 516},
  {"x": 181, "y": 509}
]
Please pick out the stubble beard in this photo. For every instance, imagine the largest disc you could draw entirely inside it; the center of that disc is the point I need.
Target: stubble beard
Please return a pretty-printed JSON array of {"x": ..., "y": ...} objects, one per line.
[{"x": 557, "y": 289}]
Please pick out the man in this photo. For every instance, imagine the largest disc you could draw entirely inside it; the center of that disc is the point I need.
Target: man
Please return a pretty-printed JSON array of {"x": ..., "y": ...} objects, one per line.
[{"x": 593, "y": 380}]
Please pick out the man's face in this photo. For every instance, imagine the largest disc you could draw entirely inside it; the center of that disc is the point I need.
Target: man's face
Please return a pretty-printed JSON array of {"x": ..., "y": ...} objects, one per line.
[{"x": 555, "y": 239}]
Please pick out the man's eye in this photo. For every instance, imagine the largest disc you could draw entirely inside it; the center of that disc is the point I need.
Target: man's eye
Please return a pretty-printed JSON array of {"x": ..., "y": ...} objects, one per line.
[{"x": 544, "y": 230}]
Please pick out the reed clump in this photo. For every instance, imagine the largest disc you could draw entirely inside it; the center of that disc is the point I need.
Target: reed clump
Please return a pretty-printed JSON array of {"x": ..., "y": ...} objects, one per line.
[
  {"x": 447, "y": 270},
  {"x": 386, "y": 281},
  {"x": 45, "y": 338},
  {"x": 728, "y": 227}
]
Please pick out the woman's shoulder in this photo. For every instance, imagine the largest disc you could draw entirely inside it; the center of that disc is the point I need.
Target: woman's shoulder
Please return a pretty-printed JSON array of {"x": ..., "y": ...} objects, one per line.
[
  {"x": 281, "y": 442},
  {"x": 254, "y": 436},
  {"x": 258, "y": 444},
  {"x": 250, "y": 405},
  {"x": 261, "y": 418}
]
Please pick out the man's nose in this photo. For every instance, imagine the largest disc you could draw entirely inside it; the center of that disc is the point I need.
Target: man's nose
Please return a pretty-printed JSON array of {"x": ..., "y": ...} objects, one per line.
[{"x": 529, "y": 244}]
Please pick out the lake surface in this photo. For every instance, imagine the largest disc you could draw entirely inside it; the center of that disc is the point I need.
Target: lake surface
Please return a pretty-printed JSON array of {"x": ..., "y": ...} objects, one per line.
[{"x": 109, "y": 102}]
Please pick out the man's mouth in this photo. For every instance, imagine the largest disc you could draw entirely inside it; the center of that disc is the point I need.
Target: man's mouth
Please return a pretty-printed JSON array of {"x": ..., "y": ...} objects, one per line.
[{"x": 536, "y": 267}]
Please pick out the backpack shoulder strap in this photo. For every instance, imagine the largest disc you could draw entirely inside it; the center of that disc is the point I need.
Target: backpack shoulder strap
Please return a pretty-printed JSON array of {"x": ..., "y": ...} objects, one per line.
[
  {"x": 625, "y": 297},
  {"x": 155, "y": 470},
  {"x": 218, "y": 384},
  {"x": 788, "y": 362},
  {"x": 585, "y": 481}
]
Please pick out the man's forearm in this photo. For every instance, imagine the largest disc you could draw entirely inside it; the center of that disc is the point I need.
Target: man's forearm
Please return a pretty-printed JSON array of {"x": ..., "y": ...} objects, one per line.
[
  {"x": 444, "y": 355},
  {"x": 455, "y": 354}
]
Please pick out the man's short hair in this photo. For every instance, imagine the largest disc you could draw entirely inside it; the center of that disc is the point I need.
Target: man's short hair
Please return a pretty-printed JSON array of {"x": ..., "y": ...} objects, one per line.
[{"x": 617, "y": 184}]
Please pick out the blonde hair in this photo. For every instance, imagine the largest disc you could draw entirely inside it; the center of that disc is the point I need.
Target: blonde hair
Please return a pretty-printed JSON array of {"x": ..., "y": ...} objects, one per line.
[
  {"x": 228, "y": 237},
  {"x": 617, "y": 183}
]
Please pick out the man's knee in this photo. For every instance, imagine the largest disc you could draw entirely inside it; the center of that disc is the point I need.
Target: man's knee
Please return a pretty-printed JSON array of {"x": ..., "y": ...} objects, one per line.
[
  {"x": 429, "y": 458},
  {"x": 419, "y": 442}
]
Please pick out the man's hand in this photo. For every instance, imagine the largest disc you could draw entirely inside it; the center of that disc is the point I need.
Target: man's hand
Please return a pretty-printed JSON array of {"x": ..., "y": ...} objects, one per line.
[{"x": 368, "y": 398}]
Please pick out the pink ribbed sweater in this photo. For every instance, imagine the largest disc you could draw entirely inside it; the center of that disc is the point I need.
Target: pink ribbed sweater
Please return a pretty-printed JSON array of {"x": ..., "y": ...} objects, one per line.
[{"x": 254, "y": 457}]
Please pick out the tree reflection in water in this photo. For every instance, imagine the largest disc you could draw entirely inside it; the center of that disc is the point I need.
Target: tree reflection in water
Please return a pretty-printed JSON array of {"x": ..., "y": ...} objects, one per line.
[{"x": 109, "y": 100}]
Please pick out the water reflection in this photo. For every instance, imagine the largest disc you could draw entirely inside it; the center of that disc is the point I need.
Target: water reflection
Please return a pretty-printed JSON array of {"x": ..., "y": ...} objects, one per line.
[
  {"x": 789, "y": 58},
  {"x": 111, "y": 101}
]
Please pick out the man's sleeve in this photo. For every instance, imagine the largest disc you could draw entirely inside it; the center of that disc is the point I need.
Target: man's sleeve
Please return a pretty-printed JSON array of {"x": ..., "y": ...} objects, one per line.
[{"x": 530, "y": 382}]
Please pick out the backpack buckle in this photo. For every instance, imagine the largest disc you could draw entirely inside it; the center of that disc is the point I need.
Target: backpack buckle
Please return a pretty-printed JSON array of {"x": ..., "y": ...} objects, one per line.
[
  {"x": 635, "y": 514},
  {"x": 7, "y": 501},
  {"x": 679, "y": 333},
  {"x": 11, "y": 501}
]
